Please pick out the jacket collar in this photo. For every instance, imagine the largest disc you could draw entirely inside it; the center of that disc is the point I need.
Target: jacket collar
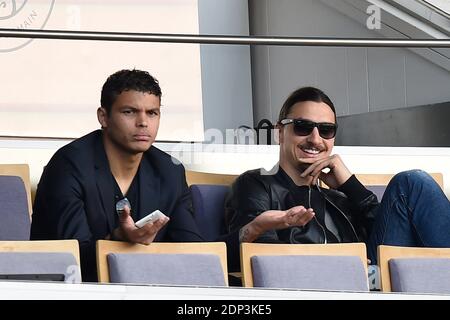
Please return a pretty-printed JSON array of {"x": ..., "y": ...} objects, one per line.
[
  {"x": 286, "y": 179},
  {"x": 104, "y": 181},
  {"x": 149, "y": 186}
]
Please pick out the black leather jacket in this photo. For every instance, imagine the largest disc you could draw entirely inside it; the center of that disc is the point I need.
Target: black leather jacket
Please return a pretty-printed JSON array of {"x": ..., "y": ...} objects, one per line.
[{"x": 351, "y": 208}]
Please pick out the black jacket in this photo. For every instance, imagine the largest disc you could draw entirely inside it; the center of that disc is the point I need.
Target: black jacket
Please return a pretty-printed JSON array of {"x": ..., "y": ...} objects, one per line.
[
  {"x": 75, "y": 198},
  {"x": 352, "y": 207}
]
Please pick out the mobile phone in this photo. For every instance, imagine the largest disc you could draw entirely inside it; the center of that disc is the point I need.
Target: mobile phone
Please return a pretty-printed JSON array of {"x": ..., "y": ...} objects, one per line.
[{"x": 151, "y": 217}]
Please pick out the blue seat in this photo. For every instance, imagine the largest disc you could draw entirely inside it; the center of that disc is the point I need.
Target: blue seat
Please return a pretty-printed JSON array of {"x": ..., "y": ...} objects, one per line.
[
  {"x": 14, "y": 213},
  {"x": 209, "y": 209}
]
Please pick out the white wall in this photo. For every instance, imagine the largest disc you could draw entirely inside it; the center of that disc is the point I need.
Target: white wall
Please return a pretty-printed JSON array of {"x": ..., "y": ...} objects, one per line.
[
  {"x": 51, "y": 88},
  {"x": 226, "y": 70}
]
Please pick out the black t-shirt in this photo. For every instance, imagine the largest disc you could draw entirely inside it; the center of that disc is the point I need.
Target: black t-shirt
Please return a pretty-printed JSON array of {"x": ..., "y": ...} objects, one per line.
[
  {"x": 310, "y": 197},
  {"x": 132, "y": 195}
]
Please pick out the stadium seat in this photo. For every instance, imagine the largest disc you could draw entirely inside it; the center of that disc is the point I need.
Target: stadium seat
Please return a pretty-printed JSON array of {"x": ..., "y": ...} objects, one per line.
[
  {"x": 414, "y": 270},
  {"x": 21, "y": 170},
  {"x": 377, "y": 183},
  {"x": 209, "y": 209},
  {"x": 45, "y": 260},
  {"x": 200, "y": 264},
  {"x": 305, "y": 266}
]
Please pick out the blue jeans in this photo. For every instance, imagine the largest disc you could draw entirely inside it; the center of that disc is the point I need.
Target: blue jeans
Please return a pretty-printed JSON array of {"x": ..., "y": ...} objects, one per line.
[{"x": 414, "y": 212}]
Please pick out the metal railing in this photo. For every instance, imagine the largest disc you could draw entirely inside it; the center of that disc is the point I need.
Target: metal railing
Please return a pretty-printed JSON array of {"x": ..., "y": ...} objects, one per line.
[{"x": 222, "y": 39}]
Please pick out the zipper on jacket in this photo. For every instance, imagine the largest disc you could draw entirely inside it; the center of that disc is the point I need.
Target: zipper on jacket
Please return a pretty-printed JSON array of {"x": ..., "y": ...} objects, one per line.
[
  {"x": 339, "y": 210},
  {"x": 315, "y": 218}
]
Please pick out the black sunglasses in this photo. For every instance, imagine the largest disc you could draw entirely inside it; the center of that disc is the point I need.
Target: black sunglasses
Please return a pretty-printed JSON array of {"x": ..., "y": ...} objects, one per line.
[{"x": 305, "y": 127}]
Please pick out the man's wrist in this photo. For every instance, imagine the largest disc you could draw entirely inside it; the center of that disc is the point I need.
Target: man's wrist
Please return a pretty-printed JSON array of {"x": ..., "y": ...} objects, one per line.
[
  {"x": 249, "y": 233},
  {"x": 243, "y": 234}
]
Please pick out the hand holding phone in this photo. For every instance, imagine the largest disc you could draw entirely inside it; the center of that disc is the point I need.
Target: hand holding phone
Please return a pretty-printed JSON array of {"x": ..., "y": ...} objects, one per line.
[{"x": 151, "y": 217}]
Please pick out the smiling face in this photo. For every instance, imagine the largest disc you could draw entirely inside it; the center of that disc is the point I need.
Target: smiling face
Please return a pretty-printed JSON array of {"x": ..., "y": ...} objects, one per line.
[
  {"x": 294, "y": 147},
  {"x": 131, "y": 125}
]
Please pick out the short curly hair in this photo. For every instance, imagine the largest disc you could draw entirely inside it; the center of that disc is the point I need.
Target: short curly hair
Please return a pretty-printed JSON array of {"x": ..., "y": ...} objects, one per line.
[{"x": 125, "y": 80}]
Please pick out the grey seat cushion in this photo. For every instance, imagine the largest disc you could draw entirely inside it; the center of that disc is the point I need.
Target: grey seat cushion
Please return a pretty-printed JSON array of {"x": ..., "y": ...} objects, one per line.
[
  {"x": 40, "y": 263},
  {"x": 421, "y": 275},
  {"x": 309, "y": 272},
  {"x": 14, "y": 216},
  {"x": 168, "y": 269},
  {"x": 378, "y": 190}
]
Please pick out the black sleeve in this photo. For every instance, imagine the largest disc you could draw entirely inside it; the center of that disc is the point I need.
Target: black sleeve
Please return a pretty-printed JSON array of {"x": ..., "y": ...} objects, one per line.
[
  {"x": 364, "y": 203},
  {"x": 249, "y": 197},
  {"x": 58, "y": 211},
  {"x": 355, "y": 190}
]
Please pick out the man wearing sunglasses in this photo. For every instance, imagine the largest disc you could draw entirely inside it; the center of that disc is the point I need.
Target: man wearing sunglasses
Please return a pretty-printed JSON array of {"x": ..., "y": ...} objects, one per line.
[
  {"x": 287, "y": 205},
  {"x": 99, "y": 185}
]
